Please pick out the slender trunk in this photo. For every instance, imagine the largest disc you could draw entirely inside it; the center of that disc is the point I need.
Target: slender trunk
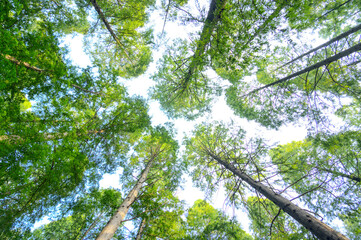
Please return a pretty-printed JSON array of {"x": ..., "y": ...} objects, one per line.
[
  {"x": 40, "y": 121},
  {"x": 114, "y": 223},
  {"x": 16, "y": 139},
  {"x": 351, "y": 177},
  {"x": 107, "y": 25},
  {"x": 318, "y": 228},
  {"x": 47, "y": 72},
  {"x": 327, "y": 61},
  {"x": 140, "y": 230},
  {"x": 335, "y": 39},
  {"x": 214, "y": 15},
  {"x": 335, "y": 8},
  {"x": 274, "y": 14},
  {"x": 93, "y": 225},
  {"x": 85, "y": 90},
  {"x": 25, "y": 64}
]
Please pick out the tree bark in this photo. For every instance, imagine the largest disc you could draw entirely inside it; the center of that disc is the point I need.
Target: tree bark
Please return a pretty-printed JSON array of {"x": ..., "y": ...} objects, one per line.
[
  {"x": 327, "y": 61},
  {"x": 25, "y": 64},
  {"x": 92, "y": 225},
  {"x": 335, "y": 39},
  {"x": 351, "y": 177},
  {"x": 107, "y": 25},
  {"x": 47, "y": 72},
  {"x": 318, "y": 228},
  {"x": 214, "y": 14},
  {"x": 140, "y": 230},
  {"x": 16, "y": 139},
  {"x": 109, "y": 230},
  {"x": 274, "y": 14}
]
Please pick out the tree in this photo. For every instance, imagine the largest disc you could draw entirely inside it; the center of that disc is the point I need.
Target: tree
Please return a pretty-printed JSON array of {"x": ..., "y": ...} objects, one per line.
[
  {"x": 80, "y": 123},
  {"x": 314, "y": 86},
  {"x": 126, "y": 50},
  {"x": 86, "y": 215},
  {"x": 81, "y": 141},
  {"x": 113, "y": 224},
  {"x": 156, "y": 149},
  {"x": 211, "y": 146},
  {"x": 268, "y": 222},
  {"x": 205, "y": 222},
  {"x": 325, "y": 170},
  {"x": 191, "y": 88},
  {"x": 155, "y": 195}
]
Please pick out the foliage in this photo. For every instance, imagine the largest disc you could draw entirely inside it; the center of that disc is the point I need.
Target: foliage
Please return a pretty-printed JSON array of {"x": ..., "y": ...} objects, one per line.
[
  {"x": 268, "y": 222},
  {"x": 181, "y": 98},
  {"x": 205, "y": 222},
  {"x": 324, "y": 170},
  {"x": 352, "y": 224},
  {"x": 62, "y": 127},
  {"x": 229, "y": 142},
  {"x": 122, "y": 40},
  {"x": 87, "y": 214}
]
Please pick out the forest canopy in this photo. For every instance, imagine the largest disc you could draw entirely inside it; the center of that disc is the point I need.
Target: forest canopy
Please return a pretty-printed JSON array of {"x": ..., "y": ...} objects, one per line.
[{"x": 273, "y": 64}]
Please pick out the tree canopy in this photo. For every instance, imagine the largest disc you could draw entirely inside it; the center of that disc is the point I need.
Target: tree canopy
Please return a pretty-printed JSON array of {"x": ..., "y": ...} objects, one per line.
[{"x": 276, "y": 64}]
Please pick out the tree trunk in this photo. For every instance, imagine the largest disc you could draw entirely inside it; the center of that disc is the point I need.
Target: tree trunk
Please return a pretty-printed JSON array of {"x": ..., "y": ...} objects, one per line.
[
  {"x": 92, "y": 225},
  {"x": 335, "y": 39},
  {"x": 140, "y": 229},
  {"x": 327, "y": 61},
  {"x": 25, "y": 64},
  {"x": 274, "y": 14},
  {"x": 109, "y": 230},
  {"x": 47, "y": 72},
  {"x": 214, "y": 14},
  {"x": 318, "y": 228},
  {"x": 16, "y": 139},
  {"x": 351, "y": 177},
  {"x": 107, "y": 25}
]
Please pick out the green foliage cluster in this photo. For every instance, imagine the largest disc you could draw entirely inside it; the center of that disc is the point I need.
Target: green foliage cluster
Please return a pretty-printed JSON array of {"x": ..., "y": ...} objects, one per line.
[
  {"x": 202, "y": 222},
  {"x": 265, "y": 225}
]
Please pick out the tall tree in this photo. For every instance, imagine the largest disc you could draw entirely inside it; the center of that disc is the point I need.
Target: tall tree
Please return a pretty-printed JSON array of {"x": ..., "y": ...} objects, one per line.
[
  {"x": 190, "y": 89},
  {"x": 214, "y": 147},
  {"x": 82, "y": 218},
  {"x": 205, "y": 222},
  {"x": 158, "y": 150},
  {"x": 269, "y": 222},
  {"x": 313, "y": 87},
  {"x": 125, "y": 46},
  {"x": 325, "y": 170},
  {"x": 114, "y": 223}
]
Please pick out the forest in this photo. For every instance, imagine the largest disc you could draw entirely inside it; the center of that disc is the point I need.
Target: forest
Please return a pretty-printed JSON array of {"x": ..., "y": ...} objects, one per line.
[{"x": 277, "y": 64}]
